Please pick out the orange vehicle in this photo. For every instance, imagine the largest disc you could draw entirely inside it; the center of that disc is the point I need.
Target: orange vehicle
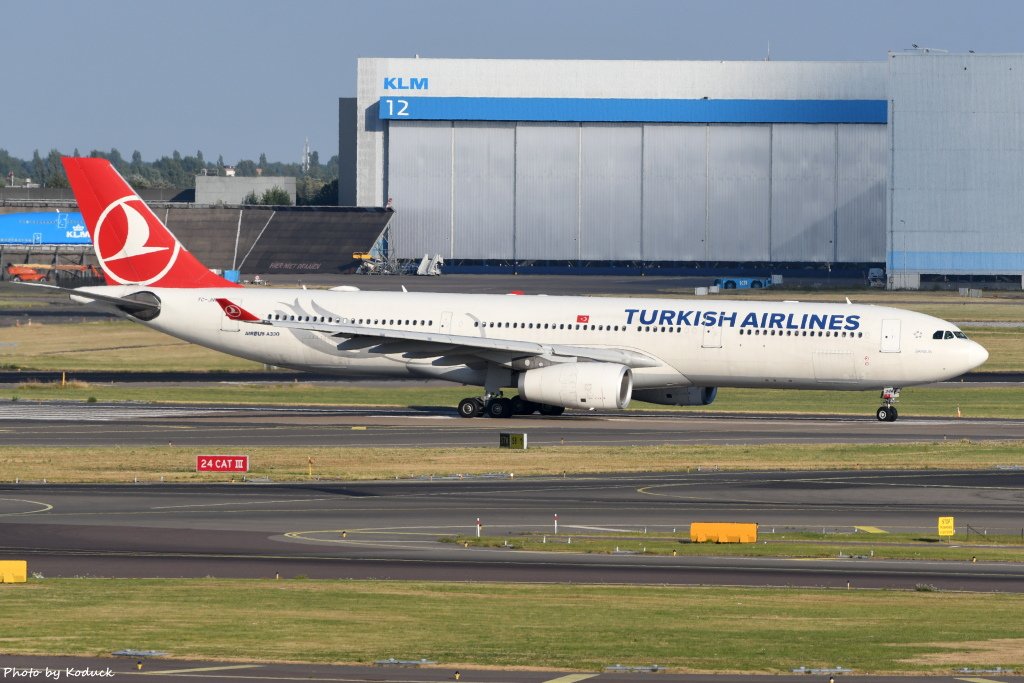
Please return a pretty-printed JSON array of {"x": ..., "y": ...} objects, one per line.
[
  {"x": 24, "y": 274},
  {"x": 37, "y": 272}
]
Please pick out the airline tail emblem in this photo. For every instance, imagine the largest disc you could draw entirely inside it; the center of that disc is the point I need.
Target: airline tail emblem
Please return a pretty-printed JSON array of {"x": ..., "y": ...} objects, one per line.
[
  {"x": 236, "y": 312},
  {"x": 132, "y": 245}
]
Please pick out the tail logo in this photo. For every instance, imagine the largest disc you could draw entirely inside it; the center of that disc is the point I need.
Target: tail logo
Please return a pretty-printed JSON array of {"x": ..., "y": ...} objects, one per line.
[
  {"x": 232, "y": 311},
  {"x": 131, "y": 244}
]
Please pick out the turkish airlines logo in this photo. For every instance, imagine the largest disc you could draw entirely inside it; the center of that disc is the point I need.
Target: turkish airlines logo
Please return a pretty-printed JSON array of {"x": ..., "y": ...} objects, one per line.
[
  {"x": 131, "y": 244},
  {"x": 583, "y": 318},
  {"x": 232, "y": 311}
]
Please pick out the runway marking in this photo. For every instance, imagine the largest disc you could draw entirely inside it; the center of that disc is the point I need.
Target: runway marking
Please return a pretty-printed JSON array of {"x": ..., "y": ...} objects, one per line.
[
  {"x": 173, "y": 672},
  {"x": 871, "y": 529},
  {"x": 46, "y": 507},
  {"x": 252, "y": 502},
  {"x": 571, "y": 678}
]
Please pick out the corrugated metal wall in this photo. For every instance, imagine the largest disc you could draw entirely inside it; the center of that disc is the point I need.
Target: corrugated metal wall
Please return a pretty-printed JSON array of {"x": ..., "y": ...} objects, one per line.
[
  {"x": 739, "y": 168},
  {"x": 483, "y": 177},
  {"x": 675, "y": 191},
  {"x": 803, "y": 193},
  {"x": 860, "y": 209},
  {"x": 610, "y": 171},
  {"x": 420, "y": 175},
  {"x": 638, "y": 192},
  {"x": 547, "y": 191},
  {"x": 957, "y": 127}
]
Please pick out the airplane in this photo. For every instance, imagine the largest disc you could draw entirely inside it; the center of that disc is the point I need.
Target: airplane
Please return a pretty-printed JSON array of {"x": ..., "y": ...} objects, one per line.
[{"x": 558, "y": 352}]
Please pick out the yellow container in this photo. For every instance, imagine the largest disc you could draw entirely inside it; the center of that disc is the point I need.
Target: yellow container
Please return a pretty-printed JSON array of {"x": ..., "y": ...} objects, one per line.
[
  {"x": 723, "y": 532},
  {"x": 13, "y": 571}
]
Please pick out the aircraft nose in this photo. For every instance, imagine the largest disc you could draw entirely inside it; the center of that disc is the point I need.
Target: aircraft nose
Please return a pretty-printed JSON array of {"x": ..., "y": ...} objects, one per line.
[{"x": 976, "y": 355}]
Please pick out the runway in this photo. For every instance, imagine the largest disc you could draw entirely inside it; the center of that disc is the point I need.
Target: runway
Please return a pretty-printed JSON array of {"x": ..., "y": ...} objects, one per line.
[
  {"x": 397, "y": 529},
  {"x": 125, "y": 669},
  {"x": 28, "y": 423}
]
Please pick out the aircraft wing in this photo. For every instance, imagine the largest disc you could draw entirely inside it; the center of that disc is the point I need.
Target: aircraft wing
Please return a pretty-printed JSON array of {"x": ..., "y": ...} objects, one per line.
[{"x": 412, "y": 343}]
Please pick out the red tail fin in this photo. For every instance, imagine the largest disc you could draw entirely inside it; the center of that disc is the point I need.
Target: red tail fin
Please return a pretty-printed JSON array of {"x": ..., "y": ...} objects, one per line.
[{"x": 132, "y": 245}]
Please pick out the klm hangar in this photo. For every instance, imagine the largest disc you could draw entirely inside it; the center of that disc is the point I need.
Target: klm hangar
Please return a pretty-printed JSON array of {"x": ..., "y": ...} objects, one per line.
[{"x": 653, "y": 166}]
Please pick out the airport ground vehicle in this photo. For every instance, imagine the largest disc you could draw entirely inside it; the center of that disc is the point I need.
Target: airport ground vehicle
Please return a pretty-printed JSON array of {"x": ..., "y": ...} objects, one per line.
[
  {"x": 38, "y": 272},
  {"x": 557, "y": 351},
  {"x": 734, "y": 282},
  {"x": 24, "y": 273}
]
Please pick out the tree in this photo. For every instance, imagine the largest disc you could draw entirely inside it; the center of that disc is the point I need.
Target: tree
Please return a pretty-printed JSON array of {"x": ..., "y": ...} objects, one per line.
[
  {"x": 307, "y": 188},
  {"x": 263, "y": 161},
  {"x": 55, "y": 176},
  {"x": 327, "y": 196},
  {"x": 245, "y": 167},
  {"x": 276, "y": 196},
  {"x": 38, "y": 170},
  {"x": 251, "y": 198}
]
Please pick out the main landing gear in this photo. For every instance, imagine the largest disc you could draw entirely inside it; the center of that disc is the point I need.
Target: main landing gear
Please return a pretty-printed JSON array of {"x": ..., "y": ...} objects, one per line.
[
  {"x": 498, "y": 406},
  {"x": 887, "y": 412}
]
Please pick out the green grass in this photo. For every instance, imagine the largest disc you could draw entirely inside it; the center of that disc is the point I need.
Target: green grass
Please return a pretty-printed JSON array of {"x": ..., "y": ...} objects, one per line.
[
  {"x": 177, "y": 463},
  {"x": 105, "y": 346},
  {"x": 994, "y": 548},
  {"x": 997, "y": 401},
  {"x": 579, "y": 627}
]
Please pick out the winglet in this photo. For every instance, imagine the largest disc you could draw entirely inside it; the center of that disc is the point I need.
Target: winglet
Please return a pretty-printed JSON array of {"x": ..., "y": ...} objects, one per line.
[{"x": 236, "y": 312}]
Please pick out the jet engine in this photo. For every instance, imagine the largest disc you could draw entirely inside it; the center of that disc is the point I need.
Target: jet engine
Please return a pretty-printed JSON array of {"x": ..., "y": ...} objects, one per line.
[
  {"x": 578, "y": 385},
  {"x": 678, "y": 396}
]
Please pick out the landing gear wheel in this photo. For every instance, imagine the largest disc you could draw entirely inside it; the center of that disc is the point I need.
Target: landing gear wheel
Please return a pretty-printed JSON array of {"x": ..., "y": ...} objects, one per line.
[
  {"x": 520, "y": 406},
  {"x": 886, "y": 414},
  {"x": 470, "y": 407},
  {"x": 551, "y": 411},
  {"x": 500, "y": 407}
]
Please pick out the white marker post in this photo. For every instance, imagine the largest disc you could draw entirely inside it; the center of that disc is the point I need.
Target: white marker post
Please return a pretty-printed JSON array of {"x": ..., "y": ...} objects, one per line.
[
  {"x": 556, "y": 524},
  {"x": 478, "y": 525}
]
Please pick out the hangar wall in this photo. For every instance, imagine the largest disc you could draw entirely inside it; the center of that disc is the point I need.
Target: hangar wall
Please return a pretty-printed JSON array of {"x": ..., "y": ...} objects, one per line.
[
  {"x": 638, "y": 192},
  {"x": 583, "y": 161},
  {"x": 957, "y": 135}
]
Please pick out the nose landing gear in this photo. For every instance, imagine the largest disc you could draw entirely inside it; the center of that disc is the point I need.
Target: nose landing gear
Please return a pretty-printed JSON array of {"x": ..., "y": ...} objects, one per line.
[{"x": 887, "y": 412}]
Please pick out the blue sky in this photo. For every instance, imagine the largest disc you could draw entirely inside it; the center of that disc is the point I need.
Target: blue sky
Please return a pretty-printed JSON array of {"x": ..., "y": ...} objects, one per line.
[{"x": 242, "y": 77}]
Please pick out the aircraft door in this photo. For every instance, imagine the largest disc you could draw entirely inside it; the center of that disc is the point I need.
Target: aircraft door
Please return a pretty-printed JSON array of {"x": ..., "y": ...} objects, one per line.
[
  {"x": 446, "y": 323},
  {"x": 712, "y": 338},
  {"x": 890, "y": 341}
]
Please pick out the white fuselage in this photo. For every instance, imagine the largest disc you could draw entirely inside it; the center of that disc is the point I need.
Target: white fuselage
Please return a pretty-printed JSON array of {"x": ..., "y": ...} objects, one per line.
[{"x": 705, "y": 342}]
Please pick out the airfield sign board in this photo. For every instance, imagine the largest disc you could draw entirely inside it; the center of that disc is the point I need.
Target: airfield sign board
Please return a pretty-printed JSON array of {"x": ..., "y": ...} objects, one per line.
[
  {"x": 222, "y": 463},
  {"x": 946, "y": 526}
]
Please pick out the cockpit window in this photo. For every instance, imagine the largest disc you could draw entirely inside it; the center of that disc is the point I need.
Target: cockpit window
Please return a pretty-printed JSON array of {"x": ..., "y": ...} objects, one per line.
[{"x": 946, "y": 334}]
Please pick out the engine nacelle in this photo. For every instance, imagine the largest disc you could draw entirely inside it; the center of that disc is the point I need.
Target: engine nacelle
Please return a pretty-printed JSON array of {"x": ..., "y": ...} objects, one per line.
[
  {"x": 678, "y": 396},
  {"x": 579, "y": 385}
]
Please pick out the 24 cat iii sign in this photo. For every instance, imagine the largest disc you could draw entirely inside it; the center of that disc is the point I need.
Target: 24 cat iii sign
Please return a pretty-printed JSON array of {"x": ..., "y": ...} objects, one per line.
[{"x": 222, "y": 463}]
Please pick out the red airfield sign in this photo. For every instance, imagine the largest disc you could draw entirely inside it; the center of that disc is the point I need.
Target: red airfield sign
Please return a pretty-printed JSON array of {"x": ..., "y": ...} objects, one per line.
[{"x": 222, "y": 463}]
